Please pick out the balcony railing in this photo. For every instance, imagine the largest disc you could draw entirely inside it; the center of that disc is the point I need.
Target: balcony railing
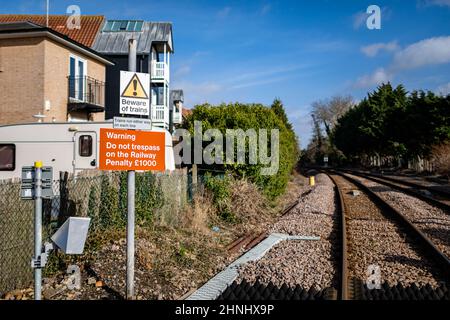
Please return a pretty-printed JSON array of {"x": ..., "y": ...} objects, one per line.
[
  {"x": 177, "y": 119},
  {"x": 160, "y": 114},
  {"x": 86, "y": 91},
  {"x": 159, "y": 71}
]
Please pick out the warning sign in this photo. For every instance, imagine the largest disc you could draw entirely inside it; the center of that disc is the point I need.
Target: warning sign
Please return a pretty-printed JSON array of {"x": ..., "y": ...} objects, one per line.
[
  {"x": 123, "y": 150},
  {"x": 134, "y": 97}
]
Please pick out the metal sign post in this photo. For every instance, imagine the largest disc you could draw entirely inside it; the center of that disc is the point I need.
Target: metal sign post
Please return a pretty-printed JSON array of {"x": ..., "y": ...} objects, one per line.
[
  {"x": 37, "y": 185},
  {"x": 131, "y": 185},
  {"x": 70, "y": 238},
  {"x": 37, "y": 229}
]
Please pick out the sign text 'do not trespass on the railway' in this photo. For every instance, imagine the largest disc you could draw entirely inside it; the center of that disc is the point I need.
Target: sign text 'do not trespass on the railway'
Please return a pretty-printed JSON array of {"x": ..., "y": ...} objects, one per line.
[
  {"x": 124, "y": 150},
  {"x": 134, "y": 93}
]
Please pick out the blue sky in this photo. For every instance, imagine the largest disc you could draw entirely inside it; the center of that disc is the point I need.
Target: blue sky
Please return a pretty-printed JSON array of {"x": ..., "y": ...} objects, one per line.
[{"x": 299, "y": 51}]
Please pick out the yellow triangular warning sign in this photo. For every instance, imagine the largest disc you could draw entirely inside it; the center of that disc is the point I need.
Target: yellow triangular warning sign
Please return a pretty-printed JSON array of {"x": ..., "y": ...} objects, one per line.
[{"x": 134, "y": 89}]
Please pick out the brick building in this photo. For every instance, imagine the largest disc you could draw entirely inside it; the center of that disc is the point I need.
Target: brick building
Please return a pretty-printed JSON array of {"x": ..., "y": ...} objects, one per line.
[{"x": 47, "y": 75}]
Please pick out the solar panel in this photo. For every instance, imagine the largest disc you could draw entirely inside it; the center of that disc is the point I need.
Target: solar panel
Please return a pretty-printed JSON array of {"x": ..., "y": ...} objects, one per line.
[
  {"x": 131, "y": 25},
  {"x": 123, "y": 25},
  {"x": 108, "y": 26},
  {"x": 115, "y": 26},
  {"x": 138, "y": 26}
]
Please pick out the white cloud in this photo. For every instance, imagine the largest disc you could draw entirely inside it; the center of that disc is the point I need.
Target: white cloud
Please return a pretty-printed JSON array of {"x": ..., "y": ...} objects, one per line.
[
  {"x": 182, "y": 71},
  {"x": 444, "y": 89},
  {"x": 198, "y": 92},
  {"x": 258, "y": 83},
  {"x": 430, "y": 51},
  {"x": 373, "y": 49},
  {"x": 378, "y": 77},
  {"x": 266, "y": 72},
  {"x": 427, "y": 52}
]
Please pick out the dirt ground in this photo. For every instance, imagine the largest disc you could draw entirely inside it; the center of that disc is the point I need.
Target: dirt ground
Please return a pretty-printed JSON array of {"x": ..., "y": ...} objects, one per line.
[{"x": 170, "y": 262}]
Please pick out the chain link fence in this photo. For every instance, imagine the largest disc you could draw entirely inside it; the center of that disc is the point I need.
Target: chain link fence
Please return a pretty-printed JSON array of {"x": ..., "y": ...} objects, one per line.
[{"x": 102, "y": 196}]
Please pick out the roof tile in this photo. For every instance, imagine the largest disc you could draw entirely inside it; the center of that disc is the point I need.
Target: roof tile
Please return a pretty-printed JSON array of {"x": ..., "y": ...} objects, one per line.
[{"x": 90, "y": 25}]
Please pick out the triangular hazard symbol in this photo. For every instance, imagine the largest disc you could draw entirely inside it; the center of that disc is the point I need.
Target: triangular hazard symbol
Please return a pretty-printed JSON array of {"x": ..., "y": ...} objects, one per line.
[{"x": 135, "y": 89}]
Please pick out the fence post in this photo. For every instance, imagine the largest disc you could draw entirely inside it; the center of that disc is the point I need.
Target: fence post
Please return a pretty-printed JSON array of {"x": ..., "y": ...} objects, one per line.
[
  {"x": 194, "y": 179},
  {"x": 38, "y": 229},
  {"x": 63, "y": 197}
]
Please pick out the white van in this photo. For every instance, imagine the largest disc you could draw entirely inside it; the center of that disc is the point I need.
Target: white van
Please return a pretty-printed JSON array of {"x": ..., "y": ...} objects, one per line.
[{"x": 68, "y": 146}]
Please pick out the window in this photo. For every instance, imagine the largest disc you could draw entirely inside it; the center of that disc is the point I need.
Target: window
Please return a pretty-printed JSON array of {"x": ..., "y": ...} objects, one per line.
[
  {"x": 85, "y": 146},
  {"x": 7, "y": 157},
  {"x": 77, "y": 77},
  {"x": 158, "y": 95}
]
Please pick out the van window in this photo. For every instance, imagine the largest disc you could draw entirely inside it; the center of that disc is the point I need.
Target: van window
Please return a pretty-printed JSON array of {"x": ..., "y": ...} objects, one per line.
[
  {"x": 7, "y": 157},
  {"x": 85, "y": 146}
]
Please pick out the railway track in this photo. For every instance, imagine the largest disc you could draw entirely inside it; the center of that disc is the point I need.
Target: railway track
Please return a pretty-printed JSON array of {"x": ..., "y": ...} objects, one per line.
[
  {"x": 434, "y": 195},
  {"x": 379, "y": 254},
  {"x": 376, "y": 237},
  {"x": 429, "y": 217}
]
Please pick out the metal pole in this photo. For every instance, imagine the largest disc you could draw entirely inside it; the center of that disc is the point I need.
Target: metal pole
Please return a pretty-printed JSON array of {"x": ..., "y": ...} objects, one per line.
[
  {"x": 131, "y": 178},
  {"x": 38, "y": 229},
  {"x": 48, "y": 9}
]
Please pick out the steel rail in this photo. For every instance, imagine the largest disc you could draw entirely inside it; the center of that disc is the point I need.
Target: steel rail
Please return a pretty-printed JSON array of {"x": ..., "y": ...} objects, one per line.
[
  {"x": 344, "y": 287},
  {"x": 396, "y": 184},
  {"x": 432, "y": 250}
]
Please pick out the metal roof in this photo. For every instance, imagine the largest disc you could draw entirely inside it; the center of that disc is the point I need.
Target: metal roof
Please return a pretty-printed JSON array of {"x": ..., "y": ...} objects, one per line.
[
  {"x": 177, "y": 95},
  {"x": 89, "y": 25},
  {"x": 117, "y": 42}
]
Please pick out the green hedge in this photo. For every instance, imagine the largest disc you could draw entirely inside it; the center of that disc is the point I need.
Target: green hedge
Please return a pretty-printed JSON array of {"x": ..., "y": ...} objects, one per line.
[{"x": 252, "y": 116}]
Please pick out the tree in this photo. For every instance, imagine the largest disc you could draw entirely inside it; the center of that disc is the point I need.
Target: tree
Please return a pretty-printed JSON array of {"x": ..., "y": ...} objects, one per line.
[
  {"x": 393, "y": 125},
  {"x": 325, "y": 114},
  {"x": 329, "y": 111},
  {"x": 278, "y": 108}
]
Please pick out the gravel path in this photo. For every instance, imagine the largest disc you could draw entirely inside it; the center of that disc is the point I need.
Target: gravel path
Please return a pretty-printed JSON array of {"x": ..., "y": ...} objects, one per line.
[
  {"x": 432, "y": 221},
  {"x": 375, "y": 240},
  {"x": 305, "y": 263}
]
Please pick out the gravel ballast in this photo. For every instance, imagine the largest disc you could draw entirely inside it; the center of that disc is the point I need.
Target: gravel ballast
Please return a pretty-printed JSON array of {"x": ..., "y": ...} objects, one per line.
[
  {"x": 305, "y": 263},
  {"x": 432, "y": 221},
  {"x": 375, "y": 240}
]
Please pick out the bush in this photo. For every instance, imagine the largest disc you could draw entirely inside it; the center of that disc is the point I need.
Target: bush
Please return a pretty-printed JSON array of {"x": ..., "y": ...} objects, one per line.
[
  {"x": 221, "y": 191},
  {"x": 149, "y": 197},
  {"x": 252, "y": 116}
]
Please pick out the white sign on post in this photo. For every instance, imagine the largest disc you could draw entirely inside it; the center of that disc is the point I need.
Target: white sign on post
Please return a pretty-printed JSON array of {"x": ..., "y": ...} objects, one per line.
[
  {"x": 134, "y": 93},
  {"x": 132, "y": 123}
]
